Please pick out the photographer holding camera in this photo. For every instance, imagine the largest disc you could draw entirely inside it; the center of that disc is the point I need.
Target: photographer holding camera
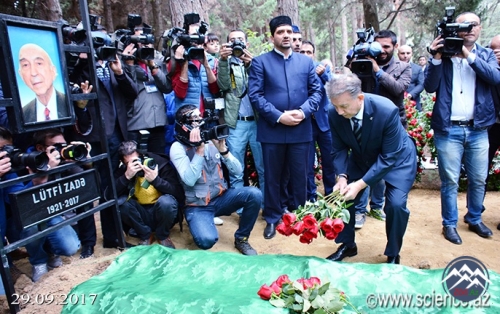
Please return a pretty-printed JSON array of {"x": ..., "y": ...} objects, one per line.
[
  {"x": 234, "y": 64},
  {"x": 194, "y": 76},
  {"x": 207, "y": 196},
  {"x": 150, "y": 191},
  {"x": 148, "y": 111},
  {"x": 461, "y": 116}
]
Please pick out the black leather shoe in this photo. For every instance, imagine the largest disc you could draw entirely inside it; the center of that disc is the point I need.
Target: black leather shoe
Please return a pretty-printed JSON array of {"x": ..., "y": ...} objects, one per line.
[
  {"x": 451, "y": 234},
  {"x": 498, "y": 227},
  {"x": 114, "y": 245},
  {"x": 269, "y": 231},
  {"x": 342, "y": 252},
  {"x": 481, "y": 230},
  {"x": 393, "y": 259},
  {"x": 87, "y": 251}
]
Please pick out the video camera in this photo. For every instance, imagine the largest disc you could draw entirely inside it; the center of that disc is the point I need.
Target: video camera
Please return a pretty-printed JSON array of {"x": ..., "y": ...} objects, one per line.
[
  {"x": 76, "y": 152},
  {"x": 36, "y": 161},
  {"x": 73, "y": 35},
  {"x": 125, "y": 37},
  {"x": 209, "y": 130},
  {"x": 177, "y": 36},
  {"x": 448, "y": 30},
  {"x": 361, "y": 66},
  {"x": 102, "y": 46}
]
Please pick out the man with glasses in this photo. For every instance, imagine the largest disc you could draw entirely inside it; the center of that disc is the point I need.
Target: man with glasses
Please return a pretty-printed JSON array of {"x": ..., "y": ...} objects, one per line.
[
  {"x": 239, "y": 114},
  {"x": 207, "y": 196},
  {"x": 151, "y": 193},
  {"x": 461, "y": 116}
]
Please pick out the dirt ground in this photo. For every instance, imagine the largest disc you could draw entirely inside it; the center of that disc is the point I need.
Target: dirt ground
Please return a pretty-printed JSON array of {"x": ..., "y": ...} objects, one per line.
[{"x": 424, "y": 246}]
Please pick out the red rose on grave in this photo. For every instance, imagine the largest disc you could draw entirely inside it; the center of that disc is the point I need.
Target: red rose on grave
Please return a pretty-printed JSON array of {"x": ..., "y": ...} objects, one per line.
[
  {"x": 331, "y": 235},
  {"x": 309, "y": 221},
  {"x": 429, "y": 135},
  {"x": 319, "y": 177},
  {"x": 284, "y": 230},
  {"x": 327, "y": 225},
  {"x": 315, "y": 281},
  {"x": 338, "y": 225},
  {"x": 265, "y": 292},
  {"x": 289, "y": 219},
  {"x": 312, "y": 233},
  {"x": 305, "y": 238},
  {"x": 433, "y": 98},
  {"x": 298, "y": 228},
  {"x": 276, "y": 288},
  {"x": 282, "y": 279},
  {"x": 497, "y": 171}
]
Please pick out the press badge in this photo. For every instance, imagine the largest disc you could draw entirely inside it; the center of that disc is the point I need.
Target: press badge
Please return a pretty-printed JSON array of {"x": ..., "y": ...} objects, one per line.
[
  {"x": 220, "y": 103},
  {"x": 150, "y": 87}
]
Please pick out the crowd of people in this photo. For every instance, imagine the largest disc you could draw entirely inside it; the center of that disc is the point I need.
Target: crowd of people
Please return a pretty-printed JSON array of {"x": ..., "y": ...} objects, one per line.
[{"x": 281, "y": 104}]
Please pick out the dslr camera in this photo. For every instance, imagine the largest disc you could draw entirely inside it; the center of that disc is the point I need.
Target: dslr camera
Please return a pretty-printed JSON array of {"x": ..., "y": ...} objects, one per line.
[
  {"x": 36, "y": 161},
  {"x": 449, "y": 30},
  {"x": 145, "y": 161},
  {"x": 238, "y": 46},
  {"x": 125, "y": 37},
  {"x": 209, "y": 128},
  {"x": 77, "y": 152},
  {"x": 177, "y": 36}
]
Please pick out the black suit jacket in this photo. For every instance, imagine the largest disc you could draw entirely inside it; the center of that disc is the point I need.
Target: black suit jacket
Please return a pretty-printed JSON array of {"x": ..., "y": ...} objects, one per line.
[
  {"x": 29, "y": 110},
  {"x": 416, "y": 83}
]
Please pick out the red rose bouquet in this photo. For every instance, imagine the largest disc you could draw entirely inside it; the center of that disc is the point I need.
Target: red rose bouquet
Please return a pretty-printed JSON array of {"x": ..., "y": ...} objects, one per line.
[
  {"x": 305, "y": 295},
  {"x": 325, "y": 217}
]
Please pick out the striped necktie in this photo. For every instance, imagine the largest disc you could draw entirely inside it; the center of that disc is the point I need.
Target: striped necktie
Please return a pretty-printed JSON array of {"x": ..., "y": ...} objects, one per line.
[
  {"x": 47, "y": 114},
  {"x": 356, "y": 129}
]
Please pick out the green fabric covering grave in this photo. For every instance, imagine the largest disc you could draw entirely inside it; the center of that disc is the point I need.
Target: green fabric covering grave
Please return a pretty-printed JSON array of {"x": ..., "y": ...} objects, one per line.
[{"x": 155, "y": 279}]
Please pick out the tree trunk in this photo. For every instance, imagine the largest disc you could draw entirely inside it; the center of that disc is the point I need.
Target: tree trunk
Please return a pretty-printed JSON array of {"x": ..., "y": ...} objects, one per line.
[
  {"x": 371, "y": 14},
  {"x": 332, "y": 42},
  {"x": 180, "y": 7},
  {"x": 291, "y": 9},
  {"x": 354, "y": 23},
  {"x": 108, "y": 16},
  {"x": 50, "y": 10},
  {"x": 157, "y": 20},
  {"x": 345, "y": 35},
  {"x": 144, "y": 12}
]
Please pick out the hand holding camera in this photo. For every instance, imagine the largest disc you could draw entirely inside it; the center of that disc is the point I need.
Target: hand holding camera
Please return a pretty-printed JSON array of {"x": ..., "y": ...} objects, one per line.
[
  {"x": 133, "y": 168},
  {"x": 54, "y": 156},
  {"x": 150, "y": 173},
  {"x": 5, "y": 164}
]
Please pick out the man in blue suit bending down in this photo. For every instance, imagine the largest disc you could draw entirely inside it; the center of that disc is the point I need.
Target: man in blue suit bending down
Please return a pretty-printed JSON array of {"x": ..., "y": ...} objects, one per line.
[
  {"x": 370, "y": 127},
  {"x": 285, "y": 90}
]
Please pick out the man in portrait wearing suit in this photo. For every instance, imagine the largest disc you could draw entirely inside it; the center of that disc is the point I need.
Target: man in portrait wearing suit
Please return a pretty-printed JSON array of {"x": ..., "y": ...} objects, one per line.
[
  {"x": 285, "y": 90},
  {"x": 38, "y": 73},
  {"x": 369, "y": 125}
]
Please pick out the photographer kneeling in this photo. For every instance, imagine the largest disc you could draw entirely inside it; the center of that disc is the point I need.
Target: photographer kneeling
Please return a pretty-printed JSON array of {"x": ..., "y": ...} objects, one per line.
[
  {"x": 199, "y": 166},
  {"x": 152, "y": 191}
]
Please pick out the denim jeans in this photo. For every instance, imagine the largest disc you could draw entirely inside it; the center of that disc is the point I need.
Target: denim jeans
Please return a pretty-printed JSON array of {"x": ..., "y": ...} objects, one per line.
[
  {"x": 201, "y": 218},
  {"x": 63, "y": 241},
  {"x": 470, "y": 146},
  {"x": 245, "y": 132},
  {"x": 376, "y": 194},
  {"x": 158, "y": 217}
]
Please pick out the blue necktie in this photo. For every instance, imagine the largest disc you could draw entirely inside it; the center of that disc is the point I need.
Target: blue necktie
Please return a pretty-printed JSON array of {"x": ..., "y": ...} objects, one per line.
[{"x": 356, "y": 129}]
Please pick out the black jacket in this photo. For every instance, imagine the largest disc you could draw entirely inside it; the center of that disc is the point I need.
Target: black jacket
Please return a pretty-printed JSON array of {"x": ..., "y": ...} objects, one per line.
[{"x": 167, "y": 181}]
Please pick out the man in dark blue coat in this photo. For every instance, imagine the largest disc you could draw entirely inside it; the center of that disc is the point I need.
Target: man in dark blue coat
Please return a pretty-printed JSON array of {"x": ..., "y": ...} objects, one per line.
[
  {"x": 369, "y": 127},
  {"x": 417, "y": 76},
  {"x": 285, "y": 91}
]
